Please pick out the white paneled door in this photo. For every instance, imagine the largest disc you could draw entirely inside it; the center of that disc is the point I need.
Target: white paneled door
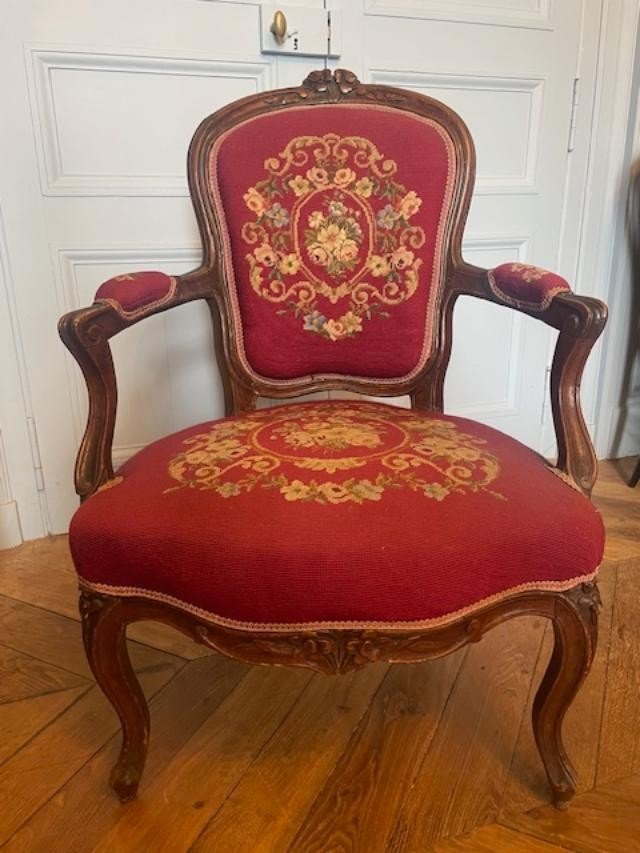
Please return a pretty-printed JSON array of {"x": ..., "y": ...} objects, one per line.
[
  {"x": 508, "y": 68},
  {"x": 101, "y": 102}
]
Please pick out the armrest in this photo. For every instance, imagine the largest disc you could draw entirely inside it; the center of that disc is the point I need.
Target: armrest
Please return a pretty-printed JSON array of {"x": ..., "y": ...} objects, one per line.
[
  {"x": 119, "y": 303},
  {"x": 579, "y": 320}
]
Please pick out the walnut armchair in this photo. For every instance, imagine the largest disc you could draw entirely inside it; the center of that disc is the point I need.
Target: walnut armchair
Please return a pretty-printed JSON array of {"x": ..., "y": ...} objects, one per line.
[{"x": 331, "y": 218}]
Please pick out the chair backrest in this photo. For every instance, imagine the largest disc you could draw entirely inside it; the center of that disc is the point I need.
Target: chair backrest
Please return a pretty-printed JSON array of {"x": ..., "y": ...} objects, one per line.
[{"x": 331, "y": 216}]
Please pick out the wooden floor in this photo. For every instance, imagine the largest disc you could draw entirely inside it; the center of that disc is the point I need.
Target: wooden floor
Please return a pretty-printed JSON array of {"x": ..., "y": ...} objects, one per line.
[{"x": 435, "y": 756}]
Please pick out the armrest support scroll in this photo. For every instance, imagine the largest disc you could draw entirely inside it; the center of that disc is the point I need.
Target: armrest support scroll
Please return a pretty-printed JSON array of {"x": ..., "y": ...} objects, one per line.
[
  {"x": 86, "y": 333},
  {"x": 580, "y": 321}
]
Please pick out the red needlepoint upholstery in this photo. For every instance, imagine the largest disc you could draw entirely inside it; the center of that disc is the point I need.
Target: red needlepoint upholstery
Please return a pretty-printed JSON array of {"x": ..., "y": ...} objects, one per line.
[
  {"x": 339, "y": 513},
  {"x": 525, "y": 286},
  {"x": 333, "y": 227},
  {"x": 133, "y": 293}
]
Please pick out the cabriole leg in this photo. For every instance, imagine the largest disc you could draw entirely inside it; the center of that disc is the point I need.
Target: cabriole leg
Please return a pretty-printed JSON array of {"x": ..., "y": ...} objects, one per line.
[
  {"x": 575, "y": 628},
  {"x": 104, "y": 634}
]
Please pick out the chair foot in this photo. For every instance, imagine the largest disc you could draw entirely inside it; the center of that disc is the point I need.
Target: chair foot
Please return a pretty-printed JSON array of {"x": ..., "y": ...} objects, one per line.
[
  {"x": 575, "y": 625},
  {"x": 104, "y": 632},
  {"x": 125, "y": 778}
]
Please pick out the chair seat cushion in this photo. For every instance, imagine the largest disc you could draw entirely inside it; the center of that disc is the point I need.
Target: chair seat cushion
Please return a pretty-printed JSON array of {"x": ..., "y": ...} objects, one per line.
[{"x": 338, "y": 514}]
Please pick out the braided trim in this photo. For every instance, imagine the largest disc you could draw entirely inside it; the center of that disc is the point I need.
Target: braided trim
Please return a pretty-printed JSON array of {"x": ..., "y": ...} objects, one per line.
[{"x": 285, "y": 627}]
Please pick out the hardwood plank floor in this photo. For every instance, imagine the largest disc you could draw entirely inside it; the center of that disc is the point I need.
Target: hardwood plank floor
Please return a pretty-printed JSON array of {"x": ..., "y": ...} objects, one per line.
[{"x": 437, "y": 756}]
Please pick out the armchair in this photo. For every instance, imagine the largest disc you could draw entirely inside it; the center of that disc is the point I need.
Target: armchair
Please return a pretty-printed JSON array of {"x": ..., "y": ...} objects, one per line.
[{"x": 331, "y": 218}]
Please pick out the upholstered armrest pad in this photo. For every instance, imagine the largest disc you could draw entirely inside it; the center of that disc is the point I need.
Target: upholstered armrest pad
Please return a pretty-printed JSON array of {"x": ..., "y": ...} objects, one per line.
[
  {"x": 526, "y": 287},
  {"x": 134, "y": 293}
]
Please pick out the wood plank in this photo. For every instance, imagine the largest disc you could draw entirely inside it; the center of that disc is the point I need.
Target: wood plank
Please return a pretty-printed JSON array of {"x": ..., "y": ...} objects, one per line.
[
  {"x": 42, "y": 573},
  {"x": 183, "y": 796},
  {"x": 43, "y": 635},
  {"x": 495, "y": 839},
  {"x": 85, "y": 809},
  {"x": 620, "y": 507},
  {"x": 606, "y": 819},
  {"x": 527, "y": 786},
  {"x": 21, "y": 720},
  {"x": 57, "y": 640},
  {"x": 461, "y": 782},
  {"x": 22, "y": 676},
  {"x": 619, "y": 742},
  {"x": 268, "y": 805},
  {"x": 31, "y": 776},
  {"x": 358, "y": 807}
]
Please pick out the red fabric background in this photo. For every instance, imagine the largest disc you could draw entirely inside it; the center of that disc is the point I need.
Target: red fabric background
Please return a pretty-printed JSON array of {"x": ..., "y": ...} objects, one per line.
[
  {"x": 257, "y": 557},
  {"x": 511, "y": 280},
  {"x": 135, "y": 290},
  {"x": 276, "y": 346}
]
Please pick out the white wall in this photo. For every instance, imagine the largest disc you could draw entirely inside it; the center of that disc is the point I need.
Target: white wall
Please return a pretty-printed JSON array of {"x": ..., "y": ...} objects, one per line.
[{"x": 618, "y": 432}]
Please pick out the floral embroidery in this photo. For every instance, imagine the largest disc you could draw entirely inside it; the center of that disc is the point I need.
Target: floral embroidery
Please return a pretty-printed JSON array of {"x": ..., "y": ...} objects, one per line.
[
  {"x": 332, "y": 226},
  {"x": 529, "y": 273},
  {"x": 400, "y": 450}
]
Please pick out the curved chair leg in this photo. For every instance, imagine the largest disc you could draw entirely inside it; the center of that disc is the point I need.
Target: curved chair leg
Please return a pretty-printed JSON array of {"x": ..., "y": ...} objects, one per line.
[
  {"x": 104, "y": 634},
  {"x": 575, "y": 627}
]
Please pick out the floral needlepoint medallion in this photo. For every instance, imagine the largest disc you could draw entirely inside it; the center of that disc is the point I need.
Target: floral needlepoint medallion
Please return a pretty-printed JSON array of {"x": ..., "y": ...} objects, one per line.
[
  {"x": 332, "y": 242},
  {"x": 330, "y": 454}
]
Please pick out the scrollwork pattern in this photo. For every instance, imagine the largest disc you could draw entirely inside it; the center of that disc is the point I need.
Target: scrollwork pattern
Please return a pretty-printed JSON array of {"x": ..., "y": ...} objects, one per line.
[
  {"x": 333, "y": 223},
  {"x": 286, "y": 453}
]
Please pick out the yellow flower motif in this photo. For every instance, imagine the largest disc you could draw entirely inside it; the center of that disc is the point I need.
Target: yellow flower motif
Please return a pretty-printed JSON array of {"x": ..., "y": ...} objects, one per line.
[
  {"x": 318, "y": 254},
  {"x": 410, "y": 204},
  {"x": 335, "y": 493},
  {"x": 254, "y": 201},
  {"x": 435, "y": 490},
  {"x": 335, "y": 330},
  {"x": 299, "y": 185},
  {"x": 255, "y": 276},
  {"x": 318, "y": 177},
  {"x": 228, "y": 490},
  {"x": 331, "y": 236},
  {"x": 316, "y": 219},
  {"x": 265, "y": 255},
  {"x": 351, "y": 322},
  {"x": 289, "y": 264},
  {"x": 364, "y": 187},
  {"x": 330, "y": 435},
  {"x": 296, "y": 490},
  {"x": 401, "y": 258},
  {"x": 348, "y": 250},
  {"x": 344, "y": 177},
  {"x": 366, "y": 490},
  {"x": 378, "y": 265}
]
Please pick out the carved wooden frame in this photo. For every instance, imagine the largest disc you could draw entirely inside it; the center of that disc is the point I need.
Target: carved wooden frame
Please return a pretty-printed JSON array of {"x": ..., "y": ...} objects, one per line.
[{"x": 579, "y": 320}]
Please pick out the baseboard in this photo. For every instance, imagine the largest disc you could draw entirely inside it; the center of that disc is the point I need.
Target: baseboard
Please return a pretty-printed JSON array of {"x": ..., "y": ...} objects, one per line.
[{"x": 10, "y": 532}]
